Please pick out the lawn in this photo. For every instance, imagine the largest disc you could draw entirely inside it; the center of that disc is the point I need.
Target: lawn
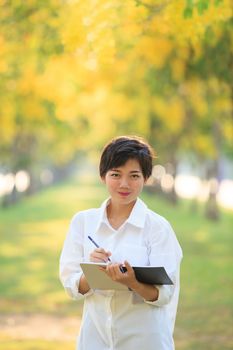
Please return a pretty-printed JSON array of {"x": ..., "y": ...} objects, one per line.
[{"x": 32, "y": 234}]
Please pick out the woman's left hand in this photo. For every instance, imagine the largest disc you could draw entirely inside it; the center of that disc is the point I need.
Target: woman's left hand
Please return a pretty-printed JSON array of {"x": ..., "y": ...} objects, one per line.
[
  {"x": 127, "y": 278},
  {"x": 146, "y": 291}
]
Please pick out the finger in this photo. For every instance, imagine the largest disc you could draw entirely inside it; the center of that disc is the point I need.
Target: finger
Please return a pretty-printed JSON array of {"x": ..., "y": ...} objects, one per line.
[
  {"x": 110, "y": 269},
  {"x": 99, "y": 254},
  {"x": 105, "y": 254},
  {"x": 113, "y": 271},
  {"x": 102, "y": 268},
  {"x": 98, "y": 257},
  {"x": 100, "y": 250},
  {"x": 96, "y": 260},
  {"x": 123, "y": 268},
  {"x": 128, "y": 266}
]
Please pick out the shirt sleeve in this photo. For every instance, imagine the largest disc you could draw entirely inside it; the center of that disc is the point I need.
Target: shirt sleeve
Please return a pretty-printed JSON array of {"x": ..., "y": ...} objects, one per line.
[
  {"x": 165, "y": 295},
  {"x": 165, "y": 251},
  {"x": 72, "y": 254}
]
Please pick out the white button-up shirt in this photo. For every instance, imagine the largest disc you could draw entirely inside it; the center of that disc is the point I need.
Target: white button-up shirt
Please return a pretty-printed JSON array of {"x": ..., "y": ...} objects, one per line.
[{"x": 123, "y": 320}]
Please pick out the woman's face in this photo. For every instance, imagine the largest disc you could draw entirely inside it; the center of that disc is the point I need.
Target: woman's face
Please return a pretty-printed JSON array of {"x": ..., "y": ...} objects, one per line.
[{"x": 125, "y": 183}]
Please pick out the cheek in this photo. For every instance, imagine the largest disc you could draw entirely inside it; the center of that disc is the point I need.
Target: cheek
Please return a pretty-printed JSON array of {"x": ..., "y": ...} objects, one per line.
[
  {"x": 138, "y": 187},
  {"x": 111, "y": 184}
]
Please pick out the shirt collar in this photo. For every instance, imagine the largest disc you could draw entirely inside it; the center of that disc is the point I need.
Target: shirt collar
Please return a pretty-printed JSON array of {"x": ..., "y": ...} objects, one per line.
[
  {"x": 102, "y": 213},
  {"x": 137, "y": 216}
]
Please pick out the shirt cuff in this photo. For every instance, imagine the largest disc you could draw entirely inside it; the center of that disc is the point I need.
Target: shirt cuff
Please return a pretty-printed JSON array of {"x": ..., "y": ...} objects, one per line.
[
  {"x": 73, "y": 287},
  {"x": 165, "y": 295}
]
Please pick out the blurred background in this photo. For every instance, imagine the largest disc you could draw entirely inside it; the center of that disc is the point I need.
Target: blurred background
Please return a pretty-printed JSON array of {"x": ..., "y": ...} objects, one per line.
[{"x": 74, "y": 74}]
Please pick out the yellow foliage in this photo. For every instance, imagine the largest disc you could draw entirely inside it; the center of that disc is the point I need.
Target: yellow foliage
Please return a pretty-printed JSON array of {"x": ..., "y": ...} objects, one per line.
[
  {"x": 159, "y": 106},
  {"x": 227, "y": 130},
  {"x": 88, "y": 33},
  {"x": 204, "y": 145},
  {"x": 178, "y": 67},
  {"x": 155, "y": 50},
  {"x": 102, "y": 126},
  {"x": 141, "y": 119},
  {"x": 183, "y": 51},
  {"x": 32, "y": 109},
  {"x": 192, "y": 29},
  {"x": 196, "y": 92},
  {"x": 103, "y": 73},
  {"x": 171, "y": 112},
  {"x": 213, "y": 84},
  {"x": 3, "y": 54},
  {"x": 176, "y": 115},
  {"x": 7, "y": 121},
  {"x": 59, "y": 79},
  {"x": 131, "y": 19},
  {"x": 120, "y": 107},
  {"x": 73, "y": 33},
  {"x": 200, "y": 105},
  {"x": 27, "y": 81},
  {"x": 223, "y": 105}
]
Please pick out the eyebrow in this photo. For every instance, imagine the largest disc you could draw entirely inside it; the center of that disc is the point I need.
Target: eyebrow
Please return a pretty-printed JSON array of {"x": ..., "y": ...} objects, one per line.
[{"x": 132, "y": 171}]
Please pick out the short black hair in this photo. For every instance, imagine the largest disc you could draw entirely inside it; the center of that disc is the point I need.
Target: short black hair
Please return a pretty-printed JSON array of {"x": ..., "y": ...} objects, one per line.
[{"x": 120, "y": 149}]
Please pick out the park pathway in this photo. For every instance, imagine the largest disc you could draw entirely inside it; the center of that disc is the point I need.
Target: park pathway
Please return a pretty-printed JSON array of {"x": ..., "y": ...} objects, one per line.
[{"x": 39, "y": 326}]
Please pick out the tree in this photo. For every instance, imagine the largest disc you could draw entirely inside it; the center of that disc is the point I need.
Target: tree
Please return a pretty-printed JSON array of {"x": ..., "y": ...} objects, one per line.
[{"x": 114, "y": 67}]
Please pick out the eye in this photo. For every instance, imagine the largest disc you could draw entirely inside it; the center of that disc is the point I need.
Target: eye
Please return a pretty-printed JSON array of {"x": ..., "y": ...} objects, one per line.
[
  {"x": 135, "y": 176},
  {"x": 114, "y": 175}
]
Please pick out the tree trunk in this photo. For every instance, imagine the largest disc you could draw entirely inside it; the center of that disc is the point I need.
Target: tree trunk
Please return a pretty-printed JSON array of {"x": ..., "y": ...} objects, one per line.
[
  {"x": 212, "y": 209},
  {"x": 171, "y": 168}
]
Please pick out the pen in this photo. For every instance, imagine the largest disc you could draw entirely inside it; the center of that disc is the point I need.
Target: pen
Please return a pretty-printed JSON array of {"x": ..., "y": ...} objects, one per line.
[
  {"x": 97, "y": 246},
  {"x": 122, "y": 268}
]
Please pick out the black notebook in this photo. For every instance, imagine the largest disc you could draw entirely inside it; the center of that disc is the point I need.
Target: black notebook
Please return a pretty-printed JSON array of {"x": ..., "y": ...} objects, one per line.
[{"x": 147, "y": 274}]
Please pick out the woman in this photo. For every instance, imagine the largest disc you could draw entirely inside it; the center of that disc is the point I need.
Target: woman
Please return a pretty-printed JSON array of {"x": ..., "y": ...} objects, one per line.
[{"x": 128, "y": 233}]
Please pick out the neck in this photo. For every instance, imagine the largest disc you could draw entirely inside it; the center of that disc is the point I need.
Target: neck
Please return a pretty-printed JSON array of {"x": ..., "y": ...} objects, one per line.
[
  {"x": 118, "y": 214},
  {"x": 119, "y": 211}
]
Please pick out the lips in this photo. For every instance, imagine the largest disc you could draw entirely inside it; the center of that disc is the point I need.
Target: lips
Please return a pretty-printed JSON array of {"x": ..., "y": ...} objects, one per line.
[{"x": 124, "y": 194}]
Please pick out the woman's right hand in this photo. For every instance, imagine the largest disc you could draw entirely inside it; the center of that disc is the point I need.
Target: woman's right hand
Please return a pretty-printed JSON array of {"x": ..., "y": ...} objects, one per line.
[{"x": 100, "y": 255}]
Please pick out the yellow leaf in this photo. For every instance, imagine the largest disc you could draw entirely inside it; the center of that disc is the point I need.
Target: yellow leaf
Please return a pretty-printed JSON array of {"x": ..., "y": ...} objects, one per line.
[
  {"x": 178, "y": 69},
  {"x": 155, "y": 50}
]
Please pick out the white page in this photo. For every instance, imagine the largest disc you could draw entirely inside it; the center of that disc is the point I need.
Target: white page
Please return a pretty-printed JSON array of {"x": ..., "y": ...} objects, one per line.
[{"x": 98, "y": 279}]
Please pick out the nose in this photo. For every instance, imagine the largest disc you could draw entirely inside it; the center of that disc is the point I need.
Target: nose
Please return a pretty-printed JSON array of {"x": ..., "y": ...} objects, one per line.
[{"x": 124, "y": 183}]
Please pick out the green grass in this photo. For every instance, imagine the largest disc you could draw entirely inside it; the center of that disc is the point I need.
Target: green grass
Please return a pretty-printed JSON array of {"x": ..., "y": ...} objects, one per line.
[
  {"x": 32, "y": 233},
  {"x": 36, "y": 344}
]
